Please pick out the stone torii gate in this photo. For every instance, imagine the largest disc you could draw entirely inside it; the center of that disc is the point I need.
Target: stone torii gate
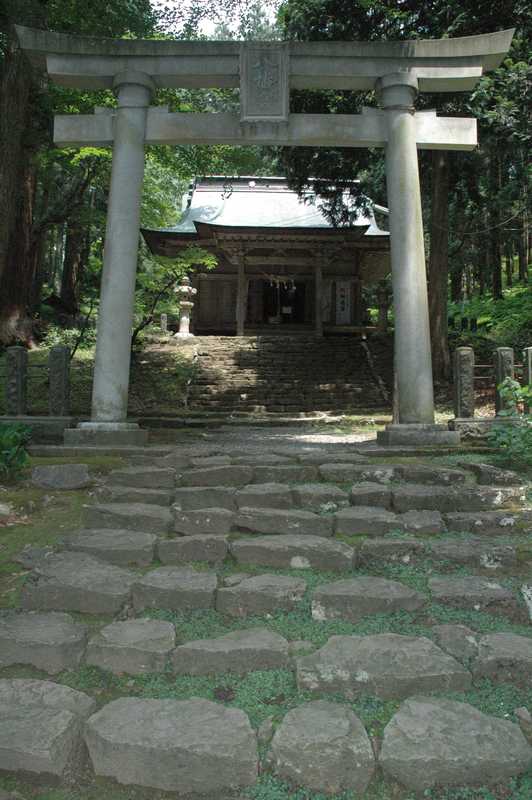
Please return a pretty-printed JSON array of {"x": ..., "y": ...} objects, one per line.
[{"x": 265, "y": 72}]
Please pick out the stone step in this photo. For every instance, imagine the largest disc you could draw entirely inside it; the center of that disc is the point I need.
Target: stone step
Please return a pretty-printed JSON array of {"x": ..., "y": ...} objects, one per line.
[
  {"x": 485, "y": 553},
  {"x": 135, "y": 646},
  {"x": 294, "y": 551},
  {"x": 196, "y": 498},
  {"x": 141, "y": 517},
  {"x": 366, "y": 521},
  {"x": 387, "y": 665},
  {"x": 319, "y": 497},
  {"x": 143, "y": 477},
  {"x": 186, "y": 549},
  {"x": 41, "y": 729},
  {"x": 213, "y": 521},
  {"x": 128, "y": 494},
  {"x": 474, "y": 593},
  {"x": 451, "y": 499},
  {"x": 323, "y": 746},
  {"x": 239, "y": 652},
  {"x": 121, "y": 547},
  {"x": 385, "y": 473},
  {"x": 264, "y": 495},
  {"x": 284, "y": 521},
  {"x": 216, "y": 476},
  {"x": 72, "y": 581},
  {"x": 51, "y": 641},
  {"x": 260, "y": 594},
  {"x": 490, "y": 522},
  {"x": 486, "y": 474},
  {"x": 175, "y": 589},
  {"x": 356, "y": 598},
  {"x": 504, "y": 658},
  {"x": 170, "y": 744},
  {"x": 436, "y": 742}
]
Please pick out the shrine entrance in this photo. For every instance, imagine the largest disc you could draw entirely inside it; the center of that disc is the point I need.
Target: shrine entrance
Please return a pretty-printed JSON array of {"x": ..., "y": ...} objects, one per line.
[{"x": 265, "y": 73}]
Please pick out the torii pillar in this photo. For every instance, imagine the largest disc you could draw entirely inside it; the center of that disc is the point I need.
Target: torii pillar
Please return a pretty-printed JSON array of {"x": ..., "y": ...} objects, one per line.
[
  {"x": 117, "y": 295},
  {"x": 412, "y": 348}
]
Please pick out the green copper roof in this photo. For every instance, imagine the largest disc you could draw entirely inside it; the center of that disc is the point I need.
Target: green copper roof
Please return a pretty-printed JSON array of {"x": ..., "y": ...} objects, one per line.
[{"x": 253, "y": 202}]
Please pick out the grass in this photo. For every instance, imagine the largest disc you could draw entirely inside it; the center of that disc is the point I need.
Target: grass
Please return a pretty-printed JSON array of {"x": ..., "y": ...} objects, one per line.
[{"x": 42, "y": 518}]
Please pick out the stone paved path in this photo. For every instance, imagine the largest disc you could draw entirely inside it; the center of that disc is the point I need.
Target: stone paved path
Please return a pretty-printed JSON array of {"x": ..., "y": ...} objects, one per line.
[{"x": 348, "y": 579}]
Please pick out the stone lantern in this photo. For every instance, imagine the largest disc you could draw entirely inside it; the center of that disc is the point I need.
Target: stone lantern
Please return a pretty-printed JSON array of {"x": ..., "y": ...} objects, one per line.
[{"x": 185, "y": 293}]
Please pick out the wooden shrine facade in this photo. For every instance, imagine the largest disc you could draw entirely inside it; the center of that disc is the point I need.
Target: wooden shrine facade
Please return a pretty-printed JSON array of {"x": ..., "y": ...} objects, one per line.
[{"x": 282, "y": 266}]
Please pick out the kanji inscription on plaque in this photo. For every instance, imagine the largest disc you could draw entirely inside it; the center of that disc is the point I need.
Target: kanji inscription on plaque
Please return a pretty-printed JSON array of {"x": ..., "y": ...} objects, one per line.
[{"x": 264, "y": 82}]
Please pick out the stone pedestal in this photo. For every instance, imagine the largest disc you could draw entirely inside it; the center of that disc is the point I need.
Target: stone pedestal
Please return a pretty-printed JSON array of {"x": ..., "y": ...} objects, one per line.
[
  {"x": 111, "y": 433},
  {"x": 59, "y": 378},
  {"x": 17, "y": 381},
  {"x": 416, "y": 435},
  {"x": 527, "y": 373},
  {"x": 464, "y": 387},
  {"x": 184, "y": 320}
]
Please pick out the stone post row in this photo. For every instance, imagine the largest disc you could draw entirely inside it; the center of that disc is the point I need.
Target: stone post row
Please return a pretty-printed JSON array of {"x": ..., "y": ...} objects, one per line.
[
  {"x": 504, "y": 368},
  {"x": 16, "y": 381},
  {"x": 527, "y": 373},
  {"x": 59, "y": 381},
  {"x": 464, "y": 382}
]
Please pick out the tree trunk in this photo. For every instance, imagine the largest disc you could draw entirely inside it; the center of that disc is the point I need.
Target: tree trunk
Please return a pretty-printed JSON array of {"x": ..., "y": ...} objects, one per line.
[
  {"x": 439, "y": 265},
  {"x": 16, "y": 284},
  {"x": 456, "y": 284},
  {"x": 509, "y": 251},
  {"x": 494, "y": 253},
  {"x": 483, "y": 261},
  {"x": 72, "y": 267},
  {"x": 522, "y": 248}
]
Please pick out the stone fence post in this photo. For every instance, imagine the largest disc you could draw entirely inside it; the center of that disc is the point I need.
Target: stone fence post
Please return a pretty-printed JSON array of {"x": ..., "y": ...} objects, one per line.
[
  {"x": 59, "y": 381},
  {"x": 464, "y": 384},
  {"x": 17, "y": 381},
  {"x": 527, "y": 372},
  {"x": 504, "y": 368}
]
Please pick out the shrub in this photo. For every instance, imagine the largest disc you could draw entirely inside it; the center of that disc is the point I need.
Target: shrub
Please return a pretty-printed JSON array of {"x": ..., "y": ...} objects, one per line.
[
  {"x": 13, "y": 453},
  {"x": 512, "y": 434}
]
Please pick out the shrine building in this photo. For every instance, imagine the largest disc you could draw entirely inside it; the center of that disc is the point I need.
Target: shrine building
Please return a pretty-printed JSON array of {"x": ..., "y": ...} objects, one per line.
[{"x": 282, "y": 264}]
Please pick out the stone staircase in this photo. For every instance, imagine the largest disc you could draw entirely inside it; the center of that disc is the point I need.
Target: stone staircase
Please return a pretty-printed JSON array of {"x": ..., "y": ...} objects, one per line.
[
  {"x": 257, "y": 537},
  {"x": 288, "y": 373}
]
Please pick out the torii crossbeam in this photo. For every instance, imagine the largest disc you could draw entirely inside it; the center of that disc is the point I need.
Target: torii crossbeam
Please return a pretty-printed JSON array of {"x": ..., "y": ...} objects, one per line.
[{"x": 265, "y": 72}]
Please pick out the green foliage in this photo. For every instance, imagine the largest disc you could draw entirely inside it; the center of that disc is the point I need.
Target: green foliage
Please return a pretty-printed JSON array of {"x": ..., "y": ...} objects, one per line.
[
  {"x": 512, "y": 433},
  {"x": 69, "y": 337},
  {"x": 506, "y": 322},
  {"x": 13, "y": 453}
]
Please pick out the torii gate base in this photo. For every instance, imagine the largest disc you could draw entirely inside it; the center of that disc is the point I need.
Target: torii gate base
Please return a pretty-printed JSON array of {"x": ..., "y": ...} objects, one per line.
[{"x": 265, "y": 72}]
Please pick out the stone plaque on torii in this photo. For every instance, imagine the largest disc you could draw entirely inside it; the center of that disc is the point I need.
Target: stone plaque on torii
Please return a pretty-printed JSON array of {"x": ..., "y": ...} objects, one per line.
[{"x": 265, "y": 72}]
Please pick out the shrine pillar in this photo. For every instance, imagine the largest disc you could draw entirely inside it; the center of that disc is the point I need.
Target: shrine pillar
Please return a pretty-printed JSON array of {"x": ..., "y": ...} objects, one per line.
[
  {"x": 413, "y": 360},
  {"x": 117, "y": 295}
]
